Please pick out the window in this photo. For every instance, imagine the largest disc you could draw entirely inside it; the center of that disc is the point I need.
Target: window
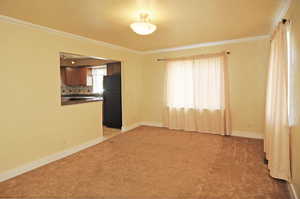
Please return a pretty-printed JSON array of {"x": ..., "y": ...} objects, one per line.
[
  {"x": 197, "y": 94},
  {"x": 97, "y": 79},
  {"x": 196, "y": 83}
]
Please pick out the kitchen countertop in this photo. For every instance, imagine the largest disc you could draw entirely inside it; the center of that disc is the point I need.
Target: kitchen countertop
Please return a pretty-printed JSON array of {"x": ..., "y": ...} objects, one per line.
[{"x": 79, "y": 99}]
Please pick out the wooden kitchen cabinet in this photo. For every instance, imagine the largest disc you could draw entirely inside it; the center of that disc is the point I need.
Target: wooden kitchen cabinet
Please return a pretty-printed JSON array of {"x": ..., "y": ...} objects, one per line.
[
  {"x": 83, "y": 76},
  {"x": 113, "y": 68},
  {"x": 74, "y": 76}
]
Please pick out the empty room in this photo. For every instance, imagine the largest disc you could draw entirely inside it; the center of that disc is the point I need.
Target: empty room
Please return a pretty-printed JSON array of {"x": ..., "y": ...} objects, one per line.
[{"x": 150, "y": 99}]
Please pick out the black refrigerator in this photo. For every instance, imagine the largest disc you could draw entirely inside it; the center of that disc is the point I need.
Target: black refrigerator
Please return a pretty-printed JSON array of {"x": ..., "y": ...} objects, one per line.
[{"x": 112, "y": 101}]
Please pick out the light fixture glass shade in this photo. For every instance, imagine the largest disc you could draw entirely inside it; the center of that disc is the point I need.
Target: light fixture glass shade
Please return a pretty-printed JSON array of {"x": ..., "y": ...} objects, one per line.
[{"x": 143, "y": 28}]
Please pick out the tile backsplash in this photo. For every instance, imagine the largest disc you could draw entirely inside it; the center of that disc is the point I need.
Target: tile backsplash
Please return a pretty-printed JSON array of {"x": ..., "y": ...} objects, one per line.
[{"x": 69, "y": 90}]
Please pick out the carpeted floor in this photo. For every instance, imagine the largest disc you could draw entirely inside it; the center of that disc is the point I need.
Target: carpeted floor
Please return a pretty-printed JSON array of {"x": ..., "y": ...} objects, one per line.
[{"x": 150, "y": 163}]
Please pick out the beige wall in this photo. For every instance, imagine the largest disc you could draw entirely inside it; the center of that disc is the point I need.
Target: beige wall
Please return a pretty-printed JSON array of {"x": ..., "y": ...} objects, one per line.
[
  {"x": 33, "y": 124},
  {"x": 294, "y": 15},
  {"x": 248, "y": 63}
]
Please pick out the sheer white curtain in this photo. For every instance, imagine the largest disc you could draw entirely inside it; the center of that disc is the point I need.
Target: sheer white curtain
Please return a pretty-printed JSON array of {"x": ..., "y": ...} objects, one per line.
[
  {"x": 277, "y": 130},
  {"x": 197, "y": 94}
]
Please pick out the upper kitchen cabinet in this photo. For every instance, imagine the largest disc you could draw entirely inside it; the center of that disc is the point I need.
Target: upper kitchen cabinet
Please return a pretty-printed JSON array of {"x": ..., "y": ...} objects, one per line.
[
  {"x": 113, "y": 68},
  {"x": 74, "y": 76}
]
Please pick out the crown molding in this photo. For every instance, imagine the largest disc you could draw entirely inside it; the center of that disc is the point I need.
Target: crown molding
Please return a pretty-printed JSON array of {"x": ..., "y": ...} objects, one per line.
[
  {"x": 217, "y": 43},
  {"x": 282, "y": 11},
  {"x": 64, "y": 34},
  {"x": 113, "y": 46}
]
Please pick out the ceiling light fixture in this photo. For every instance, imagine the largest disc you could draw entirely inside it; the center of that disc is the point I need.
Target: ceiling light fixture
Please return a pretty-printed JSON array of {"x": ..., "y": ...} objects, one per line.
[{"x": 143, "y": 27}]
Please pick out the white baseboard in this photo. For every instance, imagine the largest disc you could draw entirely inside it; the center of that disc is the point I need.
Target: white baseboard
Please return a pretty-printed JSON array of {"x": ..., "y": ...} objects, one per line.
[
  {"x": 292, "y": 191},
  {"x": 246, "y": 134},
  {"x": 154, "y": 124},
  {"x": 136, "y": 125},
  {"x": 46, "y": 160},
  {"x": 131, "y": 127}
]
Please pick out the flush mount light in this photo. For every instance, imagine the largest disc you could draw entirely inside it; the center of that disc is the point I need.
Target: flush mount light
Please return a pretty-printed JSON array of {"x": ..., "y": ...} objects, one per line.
[{"x": 143, "y": 27}]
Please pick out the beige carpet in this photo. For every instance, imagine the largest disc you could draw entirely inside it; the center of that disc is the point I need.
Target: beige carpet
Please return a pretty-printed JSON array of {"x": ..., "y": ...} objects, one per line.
[{"x": 150, "y": 163}]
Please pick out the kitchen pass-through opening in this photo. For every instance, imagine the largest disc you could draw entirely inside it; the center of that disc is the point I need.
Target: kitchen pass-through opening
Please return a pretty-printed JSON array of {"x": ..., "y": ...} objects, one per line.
[{"x": 88, "y": 79}]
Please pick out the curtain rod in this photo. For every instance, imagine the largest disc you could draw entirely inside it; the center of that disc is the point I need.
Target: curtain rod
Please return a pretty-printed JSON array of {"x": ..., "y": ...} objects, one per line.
[{"x": 227, "y": 52}]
